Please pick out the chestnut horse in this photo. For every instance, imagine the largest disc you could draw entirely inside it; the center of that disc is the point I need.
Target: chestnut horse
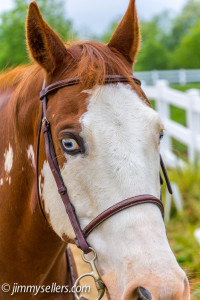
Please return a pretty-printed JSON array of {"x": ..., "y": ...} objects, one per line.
[{"x": 106, "y": 139}]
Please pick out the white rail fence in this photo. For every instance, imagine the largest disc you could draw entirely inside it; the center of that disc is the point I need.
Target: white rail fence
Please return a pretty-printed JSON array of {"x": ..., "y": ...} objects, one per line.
[
  {"x": 188, "y": 135},
  {"x": 172, "y": 76}
]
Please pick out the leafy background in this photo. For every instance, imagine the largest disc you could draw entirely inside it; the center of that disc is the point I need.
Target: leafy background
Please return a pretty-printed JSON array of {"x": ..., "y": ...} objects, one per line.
[{"x": 167, "y": 42}]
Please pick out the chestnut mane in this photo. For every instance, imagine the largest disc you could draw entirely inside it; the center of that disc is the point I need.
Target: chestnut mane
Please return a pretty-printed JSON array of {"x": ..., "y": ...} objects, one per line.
[{"x": 91, "y": 61}]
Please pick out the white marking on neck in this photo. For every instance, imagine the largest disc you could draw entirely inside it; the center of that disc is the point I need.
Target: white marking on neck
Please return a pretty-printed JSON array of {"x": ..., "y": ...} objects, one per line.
[
  {"x": 1, "y": 181},
  {"x": 31, "y": 156},
  {"x": 8, "y": 159}
]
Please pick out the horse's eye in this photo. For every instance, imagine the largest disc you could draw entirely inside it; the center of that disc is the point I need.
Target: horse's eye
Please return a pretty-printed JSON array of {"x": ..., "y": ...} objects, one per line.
[
  {"x": 70, "y": 145},
  {"x": 161, "y": 135}
]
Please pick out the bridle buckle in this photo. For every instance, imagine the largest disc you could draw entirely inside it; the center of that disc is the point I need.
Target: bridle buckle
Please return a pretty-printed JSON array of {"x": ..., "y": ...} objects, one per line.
[
  {"x": 44, "y": 119},
  {"x": 45, "y": 124}
]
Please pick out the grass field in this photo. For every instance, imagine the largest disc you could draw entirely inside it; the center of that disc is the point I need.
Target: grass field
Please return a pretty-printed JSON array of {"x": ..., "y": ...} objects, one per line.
[{"x": 186, "y": 87}]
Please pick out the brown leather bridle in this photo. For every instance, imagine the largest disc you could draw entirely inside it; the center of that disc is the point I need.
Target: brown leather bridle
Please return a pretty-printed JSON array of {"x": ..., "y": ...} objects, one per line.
[{"x": 82, "y": 234}]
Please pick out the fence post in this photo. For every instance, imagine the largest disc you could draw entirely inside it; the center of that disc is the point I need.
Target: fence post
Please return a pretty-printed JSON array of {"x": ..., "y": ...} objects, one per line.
[
  {"x": 197, "y": 235},
  {"x": 154, "y": 76},
  {"x": 163, "y": 109},
  {"x": 173, "y": 76},
  {"x": 192, "y": 123},
  {"x": 182, "y": 77}
]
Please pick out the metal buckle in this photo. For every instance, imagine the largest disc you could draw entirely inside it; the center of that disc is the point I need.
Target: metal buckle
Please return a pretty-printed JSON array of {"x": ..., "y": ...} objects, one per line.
[
  {"x": 44, "y": 119},
  {"x": 94, "y": 274}
]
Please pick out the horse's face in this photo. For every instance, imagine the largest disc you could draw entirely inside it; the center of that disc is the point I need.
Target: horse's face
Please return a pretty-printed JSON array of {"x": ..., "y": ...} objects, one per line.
[
  {"x": 107, "y": 142},
  {"x": 119, "y": 136}
]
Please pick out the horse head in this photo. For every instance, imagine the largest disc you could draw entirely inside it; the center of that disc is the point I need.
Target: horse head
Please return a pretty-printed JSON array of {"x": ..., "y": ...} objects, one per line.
[{"x": 106, "y": 139}]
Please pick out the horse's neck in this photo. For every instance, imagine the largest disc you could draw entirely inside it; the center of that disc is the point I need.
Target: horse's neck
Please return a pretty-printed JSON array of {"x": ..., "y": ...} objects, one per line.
[{"x": 30, "y": 252}]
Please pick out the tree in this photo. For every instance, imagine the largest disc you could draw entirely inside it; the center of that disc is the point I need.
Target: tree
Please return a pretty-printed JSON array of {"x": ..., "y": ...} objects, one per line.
[
  {"x": 169, "y": 43},
  {"x": 12, "y": 29},
  {"x": 187, "y": 53},
  {"x": 188, "y": 17},
  {"x": 154, "y": 53}
]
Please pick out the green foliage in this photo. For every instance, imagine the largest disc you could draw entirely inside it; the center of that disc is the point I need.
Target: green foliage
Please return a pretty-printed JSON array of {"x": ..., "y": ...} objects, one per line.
[
  {"x": 12, "y": 29},
  {"x": 186, "y": 54},
  {"x": 169, "y": 43},
  {"x": 183, "y": 22},
  {"x": 153, "y": 54}
]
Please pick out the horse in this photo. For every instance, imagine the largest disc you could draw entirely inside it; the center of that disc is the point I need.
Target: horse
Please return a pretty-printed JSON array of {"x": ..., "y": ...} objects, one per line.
[{"x": 106, "y": 140}]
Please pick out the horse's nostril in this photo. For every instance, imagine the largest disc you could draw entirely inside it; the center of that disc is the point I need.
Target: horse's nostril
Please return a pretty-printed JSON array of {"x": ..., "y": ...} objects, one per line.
[{"x": 143, "y": 294}]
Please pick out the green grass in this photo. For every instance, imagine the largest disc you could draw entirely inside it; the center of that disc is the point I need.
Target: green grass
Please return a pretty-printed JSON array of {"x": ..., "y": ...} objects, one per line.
[
  {"x": 179, "y": 149},
  {"x": 186, "y": 87},
  {"x": 181, "y": 227},
  {"x": 178, "y": 114}
]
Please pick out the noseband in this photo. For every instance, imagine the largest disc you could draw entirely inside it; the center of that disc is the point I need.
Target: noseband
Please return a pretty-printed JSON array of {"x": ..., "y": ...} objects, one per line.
[{"x": 82, "y": 234}]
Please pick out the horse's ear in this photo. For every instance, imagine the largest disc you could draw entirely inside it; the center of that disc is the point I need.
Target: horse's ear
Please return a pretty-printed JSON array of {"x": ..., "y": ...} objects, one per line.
[
  {"x": 126, "y": 38},
  {"x": 44, "y": 45}
]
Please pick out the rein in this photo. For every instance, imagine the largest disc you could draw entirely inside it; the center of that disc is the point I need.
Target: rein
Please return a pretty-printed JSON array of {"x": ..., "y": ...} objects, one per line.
[{"x": 82, "y": 234}]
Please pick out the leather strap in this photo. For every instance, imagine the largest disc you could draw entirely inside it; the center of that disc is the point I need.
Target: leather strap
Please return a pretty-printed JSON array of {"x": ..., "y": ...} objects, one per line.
[
  {"x": 71, "y": 267},
  {"x": 133, "y": 201},
  {"x": 53, "y": 163},
  {"x": 81, "y": 235},
  {"x": 74, "y": 81},
  {"x": 72, "y": 270},
  {"x": 165, "y": 175},
  {"x": 37, "y": 167}
]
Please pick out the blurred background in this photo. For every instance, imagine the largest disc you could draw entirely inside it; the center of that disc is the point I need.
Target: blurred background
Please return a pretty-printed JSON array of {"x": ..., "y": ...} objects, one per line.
[{"x": 169, "y": 67}]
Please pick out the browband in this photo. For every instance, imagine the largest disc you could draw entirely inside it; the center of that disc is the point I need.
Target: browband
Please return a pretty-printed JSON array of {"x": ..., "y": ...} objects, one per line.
[{"x": 74, "y": 81}]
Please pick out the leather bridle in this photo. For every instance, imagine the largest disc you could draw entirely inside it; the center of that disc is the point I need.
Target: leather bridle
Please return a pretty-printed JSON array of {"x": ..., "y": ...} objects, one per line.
[{"x": 82, "y": 234}]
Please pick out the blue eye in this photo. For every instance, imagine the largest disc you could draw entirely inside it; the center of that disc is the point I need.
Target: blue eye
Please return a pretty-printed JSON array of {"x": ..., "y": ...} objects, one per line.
[
  {"x": 70, "y": 145},
  {"x": 161, "y": 135}
]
